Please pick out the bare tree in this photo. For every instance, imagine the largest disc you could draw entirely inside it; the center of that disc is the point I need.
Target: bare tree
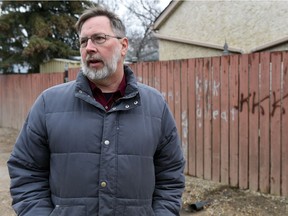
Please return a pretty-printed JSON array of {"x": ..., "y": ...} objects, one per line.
[
  {"x": 111, "y": 4},
  {"x": 141, "y": 16}
]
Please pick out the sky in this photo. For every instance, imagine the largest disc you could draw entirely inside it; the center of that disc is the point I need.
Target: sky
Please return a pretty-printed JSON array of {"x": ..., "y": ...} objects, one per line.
[{"x": 162, "y": 3}]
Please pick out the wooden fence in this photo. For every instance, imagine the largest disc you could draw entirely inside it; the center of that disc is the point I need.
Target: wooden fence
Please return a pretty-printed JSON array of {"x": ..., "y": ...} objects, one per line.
[{"x": 231, "y": 113}]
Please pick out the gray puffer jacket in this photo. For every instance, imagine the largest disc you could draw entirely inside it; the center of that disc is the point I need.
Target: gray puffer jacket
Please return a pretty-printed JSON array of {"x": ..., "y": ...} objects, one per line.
[{"x": 73, "y": 158}]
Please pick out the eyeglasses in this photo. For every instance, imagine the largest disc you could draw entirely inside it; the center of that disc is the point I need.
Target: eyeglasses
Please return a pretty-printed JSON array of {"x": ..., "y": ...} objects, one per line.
[{"x": 96, "y": 39}]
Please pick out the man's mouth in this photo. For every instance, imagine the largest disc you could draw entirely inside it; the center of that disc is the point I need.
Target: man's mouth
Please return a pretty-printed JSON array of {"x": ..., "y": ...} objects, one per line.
[{"x": 94, "y": 63}]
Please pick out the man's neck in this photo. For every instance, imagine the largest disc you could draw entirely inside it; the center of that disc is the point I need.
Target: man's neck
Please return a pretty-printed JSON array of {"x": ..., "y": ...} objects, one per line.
[{"x": 111, "y": 83}]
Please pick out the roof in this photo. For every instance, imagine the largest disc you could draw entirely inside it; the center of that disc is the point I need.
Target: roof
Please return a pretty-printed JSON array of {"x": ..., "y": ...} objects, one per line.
[
  {"x": 197, "y": 43},
  {"x": 63, "y": 60},
  {"x": 270, "y": 44},
  {"x": 173, "y": 5}
]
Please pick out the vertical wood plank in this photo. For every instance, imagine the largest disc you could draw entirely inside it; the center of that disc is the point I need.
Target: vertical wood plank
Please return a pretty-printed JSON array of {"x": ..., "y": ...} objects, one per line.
[
  {"x": 29, "y": 95},
  {"x": 170, "y": 87},
  {"x": 3, "y": 104},
  {"x": 72, "y": 73},
  {"x": 275, "y": 123},
  {"x": 163, "y": 83},
  {"x": 264, "y": 105},
  {"x": 207, "y": 118},
  {"x": 177, "y": 94},
  {"x": 21, "y": 100},
  {"x": 233, "y": 123},
  {"x": 199, "y": 118},
  {"x": 254, "y": 122},
  {"x": 157, "y": 76},
  {"x": 284, "y": 135},
  {"x": 145, "y": 73},
  {"x": 216, "y": 138},
  {"x": 151, "y": 74},
  {"x": 192, "y": 118},
  {"x": 243, "y": 123},
  {"x": 184, "y": 110},
  {"x": 224, "y": 91},
  {"x": 139, "y": 69}
]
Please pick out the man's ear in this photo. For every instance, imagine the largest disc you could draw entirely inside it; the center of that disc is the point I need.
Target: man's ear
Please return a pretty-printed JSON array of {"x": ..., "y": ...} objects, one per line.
[{"x": 124, "y": 43}]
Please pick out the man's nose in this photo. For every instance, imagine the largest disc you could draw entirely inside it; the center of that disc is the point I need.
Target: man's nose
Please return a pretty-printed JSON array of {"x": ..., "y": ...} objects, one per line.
[{"x": 91, "y": 47}]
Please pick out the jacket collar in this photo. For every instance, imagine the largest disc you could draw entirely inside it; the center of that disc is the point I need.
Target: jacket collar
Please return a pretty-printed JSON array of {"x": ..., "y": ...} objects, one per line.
[{"x": 82, "y": 84}]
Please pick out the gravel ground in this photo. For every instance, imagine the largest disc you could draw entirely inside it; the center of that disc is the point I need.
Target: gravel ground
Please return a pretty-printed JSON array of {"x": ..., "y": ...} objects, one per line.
[{"x": 221, "y": 199}]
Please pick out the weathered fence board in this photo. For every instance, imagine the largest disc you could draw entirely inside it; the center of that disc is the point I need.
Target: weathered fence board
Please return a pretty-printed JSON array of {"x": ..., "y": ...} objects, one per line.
[
  {"x": 284, "y": 167},
  {"x": 253, "y": 121},
  {"x": 184, "y": 107},
  {"x": 224, "y": 91},
  {"x": 207, "y": 119},
  {"x": 233, "y": 123},
  {"x": 264, "y": 105},
  {"x": 216, "y": 122},
  {"x": 243, "y": 122},
  {"x": 191, "y": 118},
  {"x": 275, "y": 107}
]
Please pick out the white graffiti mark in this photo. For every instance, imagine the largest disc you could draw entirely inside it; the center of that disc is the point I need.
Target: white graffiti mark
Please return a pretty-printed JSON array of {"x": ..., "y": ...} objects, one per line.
[
  {"x": 198, "y": 113},
  {"x": 170, "y": 95},
  {"x": 215, "y": 114},
  {"x": 224, "y": 114},
  {"x": 200, "y": 84},
  {"x": 184, "y": 124},
  {"x": 216, "y": 87},
  {"x": 233, "y": 114}
]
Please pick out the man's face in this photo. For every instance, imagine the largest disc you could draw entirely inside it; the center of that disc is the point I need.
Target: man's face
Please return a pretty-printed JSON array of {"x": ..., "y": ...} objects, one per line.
[{"x": 99, "y": 61}]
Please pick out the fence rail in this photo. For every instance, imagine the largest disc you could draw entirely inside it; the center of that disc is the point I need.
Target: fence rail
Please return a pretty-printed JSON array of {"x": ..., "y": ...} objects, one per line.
[{"x": 231, "y": 113}]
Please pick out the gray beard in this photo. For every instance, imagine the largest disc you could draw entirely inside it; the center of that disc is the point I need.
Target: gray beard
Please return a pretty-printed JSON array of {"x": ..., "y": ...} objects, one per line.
[{"x": 109, "y": 68}]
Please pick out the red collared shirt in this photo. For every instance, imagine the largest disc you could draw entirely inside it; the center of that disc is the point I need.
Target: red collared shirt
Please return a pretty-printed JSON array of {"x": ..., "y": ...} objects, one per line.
[{"x": 108, "y": 99}]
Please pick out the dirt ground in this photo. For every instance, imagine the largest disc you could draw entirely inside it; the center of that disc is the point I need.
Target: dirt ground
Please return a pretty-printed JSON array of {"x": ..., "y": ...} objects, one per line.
[{"x": 222, "y": 200}]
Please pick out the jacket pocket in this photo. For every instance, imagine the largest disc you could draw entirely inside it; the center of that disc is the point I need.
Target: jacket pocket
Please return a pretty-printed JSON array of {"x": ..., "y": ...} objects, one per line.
[
  {"x": 66, "y": 210},
  {"x": 139, "y": 211}
]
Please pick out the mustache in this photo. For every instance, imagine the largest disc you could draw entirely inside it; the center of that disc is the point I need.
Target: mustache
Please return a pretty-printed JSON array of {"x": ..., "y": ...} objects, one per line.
[{"x": 93, "y": 58}]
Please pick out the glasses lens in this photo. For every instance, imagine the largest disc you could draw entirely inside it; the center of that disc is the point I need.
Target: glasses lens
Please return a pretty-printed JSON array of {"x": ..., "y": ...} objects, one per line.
[
  {"x": 83, "y": 42},
  {"x": 98, "y": 38}
]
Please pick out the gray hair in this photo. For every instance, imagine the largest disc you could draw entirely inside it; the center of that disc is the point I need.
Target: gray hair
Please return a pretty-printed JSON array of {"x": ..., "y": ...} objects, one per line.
[{"x": 116, "y": 24}]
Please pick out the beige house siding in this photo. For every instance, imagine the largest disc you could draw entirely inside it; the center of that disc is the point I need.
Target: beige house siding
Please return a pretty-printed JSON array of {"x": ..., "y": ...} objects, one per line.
[
  {"x": 174, "y": 50},
  {"x": 244, "y": 25},
  {"x": 58, "y": 65}
]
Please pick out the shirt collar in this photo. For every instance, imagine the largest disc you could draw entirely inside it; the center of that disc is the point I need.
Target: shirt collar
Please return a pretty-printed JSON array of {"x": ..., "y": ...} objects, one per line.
[{"x": 121, "y": 88}]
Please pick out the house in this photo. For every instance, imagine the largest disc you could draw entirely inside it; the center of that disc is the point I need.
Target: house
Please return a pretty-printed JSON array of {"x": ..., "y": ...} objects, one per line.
[
  {"x": 191, "y": 29},
  {"x": 58, "y": 65}
]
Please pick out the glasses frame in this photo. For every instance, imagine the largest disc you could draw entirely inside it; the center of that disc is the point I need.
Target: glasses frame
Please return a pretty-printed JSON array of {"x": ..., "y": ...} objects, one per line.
[{"x": 105, "y": 37}]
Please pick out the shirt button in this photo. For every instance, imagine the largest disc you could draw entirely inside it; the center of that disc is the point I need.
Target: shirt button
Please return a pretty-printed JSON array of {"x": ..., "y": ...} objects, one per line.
[
  {"x": 127, "y": 106},
  {"x": 106, "y": 142},
  {"x": 106, "y": 107},
  {"x": 103, "y": 184}
]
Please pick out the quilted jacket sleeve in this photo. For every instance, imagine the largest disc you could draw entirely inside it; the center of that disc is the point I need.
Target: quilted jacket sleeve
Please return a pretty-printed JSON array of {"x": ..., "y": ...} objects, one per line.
[
  {"x": 28, "y": 166},
  {"x": 169, "y": 166}
]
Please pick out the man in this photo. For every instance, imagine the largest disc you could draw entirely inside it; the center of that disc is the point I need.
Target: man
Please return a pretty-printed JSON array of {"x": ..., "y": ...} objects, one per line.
[{"x": 101, "y": 145}]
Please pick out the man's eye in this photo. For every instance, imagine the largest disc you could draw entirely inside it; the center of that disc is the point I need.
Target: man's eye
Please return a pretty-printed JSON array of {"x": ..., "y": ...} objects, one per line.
[
  {"x": 98, "y": 38},
  {"x": 83, "y": 41}
]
